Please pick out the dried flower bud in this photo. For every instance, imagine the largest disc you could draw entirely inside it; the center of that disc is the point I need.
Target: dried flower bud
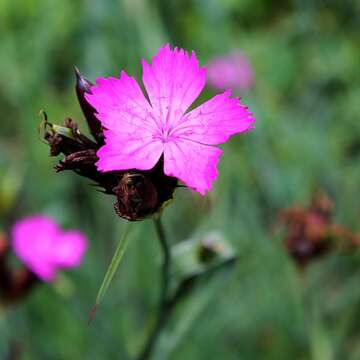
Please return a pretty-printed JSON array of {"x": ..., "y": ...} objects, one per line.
[
  {"x": 322, "y": 205},
  {"x": 83, "y": 87},
  {"x": 311, "y": 232},
  {"x": 21, "y": 282},
  {"x": 143, "y": 193},
  {"x": 137, "y": 196},
  {"x": 14, "y": 284}
]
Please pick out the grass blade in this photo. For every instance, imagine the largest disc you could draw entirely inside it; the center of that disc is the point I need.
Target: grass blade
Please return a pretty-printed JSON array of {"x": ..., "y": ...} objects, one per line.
[{"x": 110, "y": 273}]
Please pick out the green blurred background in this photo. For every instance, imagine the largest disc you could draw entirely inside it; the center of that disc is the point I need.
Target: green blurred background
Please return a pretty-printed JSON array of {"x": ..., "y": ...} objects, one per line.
[{"x": 306, "y": 57}]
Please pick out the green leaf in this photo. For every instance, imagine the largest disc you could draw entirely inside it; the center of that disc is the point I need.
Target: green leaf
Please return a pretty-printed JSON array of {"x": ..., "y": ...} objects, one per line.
[{"x": 110, "y": 273}]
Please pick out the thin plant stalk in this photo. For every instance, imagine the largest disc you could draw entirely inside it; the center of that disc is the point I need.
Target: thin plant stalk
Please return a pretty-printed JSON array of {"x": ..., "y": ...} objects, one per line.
[
  {"x": 164, "y": 310},
  {"x": 169, "y": 301},
  {"x": 165, "y": 274}
]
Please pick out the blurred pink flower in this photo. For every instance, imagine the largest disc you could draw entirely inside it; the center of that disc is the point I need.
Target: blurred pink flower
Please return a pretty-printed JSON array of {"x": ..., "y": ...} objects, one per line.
[
  {"x": 139, "y": 132},
  {"x": 45, "y": 248},
  {"x": 232, "y": 71}
]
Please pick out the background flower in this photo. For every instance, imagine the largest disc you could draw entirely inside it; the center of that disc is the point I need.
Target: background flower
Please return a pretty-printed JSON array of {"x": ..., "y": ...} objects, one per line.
[
  {"x": 45, "y": 248},
  {"x": 231, "y": 71}
]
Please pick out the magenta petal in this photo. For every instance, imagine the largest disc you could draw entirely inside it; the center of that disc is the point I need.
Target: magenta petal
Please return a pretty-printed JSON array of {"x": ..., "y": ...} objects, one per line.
[
  {"x": 131, "y": 136},
  {"x": 129, "y": 151},
  {"x": 120, "y": 103},
  {"x": 193, "y": 163},
  {"x": 215, "y": 121},
  {"x": 173, "y": 82}
]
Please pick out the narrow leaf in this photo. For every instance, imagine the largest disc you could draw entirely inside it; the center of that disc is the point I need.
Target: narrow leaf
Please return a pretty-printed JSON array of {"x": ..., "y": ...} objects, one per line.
[{"x": 115, "y": 262}]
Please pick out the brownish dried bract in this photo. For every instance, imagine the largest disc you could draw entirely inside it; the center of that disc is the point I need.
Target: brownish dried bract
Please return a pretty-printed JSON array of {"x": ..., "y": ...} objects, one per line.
[
  {"x": 139, "y": 193},
  {"x": 66, "y": 139},
  {"x": 18, "y": 285},
  {"x": 77, "y": 160},
  {"x": 4, "y": 246},
  {"x": 311, "y": 232},
  {"x": 14, "y": 284},
  {"x": 143, "y": 193},
  {"x": 83, "y": 87},
  {"x": 4, "y": 272},
  {"x": 136, "y": 196}
]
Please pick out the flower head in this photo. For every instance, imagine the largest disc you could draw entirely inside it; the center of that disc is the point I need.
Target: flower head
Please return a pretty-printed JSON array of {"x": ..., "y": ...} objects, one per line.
[
  {"x": 231, "y": 71},
  {"x": 140, "y": 130},
  {"x": 45, "y": 248}
]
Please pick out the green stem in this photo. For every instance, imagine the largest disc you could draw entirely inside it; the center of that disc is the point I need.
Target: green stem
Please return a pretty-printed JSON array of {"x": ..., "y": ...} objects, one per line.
[
  {"x": 165, "y": 273},
  {"x": 164, "y": 310},
  {"x": 168, "y": 302}
]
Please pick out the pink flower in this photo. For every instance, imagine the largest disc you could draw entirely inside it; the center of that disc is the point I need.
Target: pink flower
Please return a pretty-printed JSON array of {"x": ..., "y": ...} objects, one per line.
[
  {"x": 45, "y": 248},
  {"x": 231, "y": 71},
  {"x": 139, "y": 131}
]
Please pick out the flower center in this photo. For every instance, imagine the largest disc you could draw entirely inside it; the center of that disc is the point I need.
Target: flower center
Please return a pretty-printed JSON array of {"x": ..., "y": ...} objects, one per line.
[{"x": 165, "y": 135}]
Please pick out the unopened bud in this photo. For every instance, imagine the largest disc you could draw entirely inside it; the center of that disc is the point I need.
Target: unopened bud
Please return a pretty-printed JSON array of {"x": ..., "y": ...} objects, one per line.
[
  {"x": 136, "y": 195},
  {"x": 208, "y": 251},
  {"x": 83, "y": 87},
  {"x": 143, "y": 194}
]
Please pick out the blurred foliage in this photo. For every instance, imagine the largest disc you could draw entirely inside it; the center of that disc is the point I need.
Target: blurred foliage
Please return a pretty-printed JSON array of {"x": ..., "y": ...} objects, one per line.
[{"x": 306, "y": 56}]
